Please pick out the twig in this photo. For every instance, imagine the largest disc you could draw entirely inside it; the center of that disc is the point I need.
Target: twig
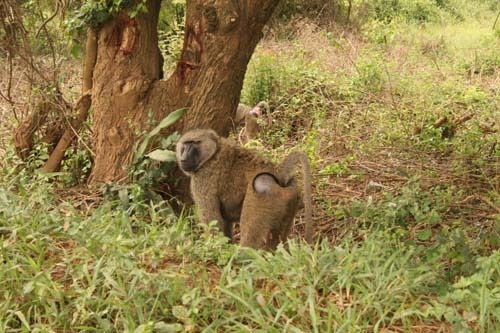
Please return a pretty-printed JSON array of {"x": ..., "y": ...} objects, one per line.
[
  {"x": 440, "y": 122},
  {"x": 391, "y": 89},
  {"x": 496, "y": 20},
  {"x": 51, "y": 44},
  {"x": 9, "y": 84},
  {"x": 50, "y": 18},
  {"x": 29, "y": 61},
  {"x": 57, "y": 155},
  {"x": 434, "y": 61},
  {"x": 465, "y": 118},
  {"x": 489, "y": 203},
  {"x": 9, "y": 39}
]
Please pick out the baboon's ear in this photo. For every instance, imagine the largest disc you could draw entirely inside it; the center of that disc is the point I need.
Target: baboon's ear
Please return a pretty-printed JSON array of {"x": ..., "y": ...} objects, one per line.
[
  {"x": 263, "y": 182},
  {"x": 213, "y": 135}
]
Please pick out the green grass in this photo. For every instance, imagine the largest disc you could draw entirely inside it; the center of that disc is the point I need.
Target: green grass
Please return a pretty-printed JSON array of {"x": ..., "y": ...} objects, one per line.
[{"x": 107, "y": 270}]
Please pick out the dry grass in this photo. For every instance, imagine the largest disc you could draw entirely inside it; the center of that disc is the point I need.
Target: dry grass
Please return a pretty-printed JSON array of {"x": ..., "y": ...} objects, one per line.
[
  {"x": 418, "y": 66},
  {"x": 316, "y": 45}
]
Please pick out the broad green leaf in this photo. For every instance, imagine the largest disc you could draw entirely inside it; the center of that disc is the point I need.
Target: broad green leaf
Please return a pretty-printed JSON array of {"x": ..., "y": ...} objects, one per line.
[
  {"x": 424, "y": 234},
  {"x": 170, "y": 140},
  {"x": 28, "y": 287},
  {"x": 142, "y": 147},
  {"x": 123, "y": 195},
  {"x": 162, "y": 155},
  {"x": 180, "y": 312},
  {"x": 167, "y": 121},
  {"x": 144, "y": 328},
  {"x": 162, "y": 327}
]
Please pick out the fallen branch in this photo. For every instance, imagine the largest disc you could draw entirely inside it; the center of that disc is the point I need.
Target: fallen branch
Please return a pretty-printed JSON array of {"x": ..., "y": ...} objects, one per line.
[
  {"x": 450, "y": 126},
  {"x": 54, "y": 161},
  {"x": 82, "y": 105}
]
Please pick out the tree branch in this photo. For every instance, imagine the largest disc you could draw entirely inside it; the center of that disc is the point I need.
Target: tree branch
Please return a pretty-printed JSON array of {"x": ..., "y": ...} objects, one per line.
[{"x": 83, "y": 105}]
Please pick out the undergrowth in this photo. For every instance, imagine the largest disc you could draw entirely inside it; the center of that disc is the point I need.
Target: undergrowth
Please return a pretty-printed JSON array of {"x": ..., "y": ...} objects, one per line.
[{"x": 110, "y": 270}]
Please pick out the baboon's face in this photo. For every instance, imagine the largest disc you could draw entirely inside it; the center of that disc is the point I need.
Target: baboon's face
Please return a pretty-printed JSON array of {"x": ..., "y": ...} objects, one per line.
[
  {"x": 256, "y": 112},
  {"x": 194, "y": 149},
  {"x": 190, "y": 156}
]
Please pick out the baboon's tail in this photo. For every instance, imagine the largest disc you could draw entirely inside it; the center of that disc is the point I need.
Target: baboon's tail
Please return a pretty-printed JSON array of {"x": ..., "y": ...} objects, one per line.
[{"x": 286, "y": 171}]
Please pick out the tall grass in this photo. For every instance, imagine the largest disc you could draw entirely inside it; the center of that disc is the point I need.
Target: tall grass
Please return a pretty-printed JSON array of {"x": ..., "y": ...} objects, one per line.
[{"x": 106, "y": 270}]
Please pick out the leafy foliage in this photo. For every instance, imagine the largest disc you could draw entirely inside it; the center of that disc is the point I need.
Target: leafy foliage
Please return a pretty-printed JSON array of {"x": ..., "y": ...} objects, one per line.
[
  {"x": 167, "y": 121},
  {"x": 110, "y": 269},
  {"x": 148, "y": 168},
  {"x": 171, "y": 33},
  {"x": 95, "y": 13}
]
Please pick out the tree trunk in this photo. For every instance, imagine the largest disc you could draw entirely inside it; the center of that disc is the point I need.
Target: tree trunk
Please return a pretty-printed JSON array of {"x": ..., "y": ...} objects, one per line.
[{"x": 220, "y": 37}]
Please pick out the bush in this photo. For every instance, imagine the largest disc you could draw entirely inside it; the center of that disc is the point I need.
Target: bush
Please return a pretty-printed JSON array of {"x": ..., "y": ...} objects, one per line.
[
  {"x": 296, "y": 93},
  {"x": 315, "y": 9}
]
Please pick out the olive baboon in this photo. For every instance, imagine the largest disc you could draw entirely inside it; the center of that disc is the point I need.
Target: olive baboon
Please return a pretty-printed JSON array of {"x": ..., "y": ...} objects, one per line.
[
  {"x": 248, "y": 116},
  {"x": 220, "y": 172},
  {"x": 268, "y": 211}
]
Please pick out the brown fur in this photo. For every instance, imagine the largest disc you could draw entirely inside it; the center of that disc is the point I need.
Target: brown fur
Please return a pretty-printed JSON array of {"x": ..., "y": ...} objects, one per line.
[
  {"x": 220, "y": 174},
  {"x": 267, "y": 218},
  {"x": 251, "y": 126}
]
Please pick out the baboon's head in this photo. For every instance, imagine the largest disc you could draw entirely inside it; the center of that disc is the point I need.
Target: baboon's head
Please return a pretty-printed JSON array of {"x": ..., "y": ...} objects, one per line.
[
  {"x": 255, "y": 112},
  {"x": 195, "y": 148}
]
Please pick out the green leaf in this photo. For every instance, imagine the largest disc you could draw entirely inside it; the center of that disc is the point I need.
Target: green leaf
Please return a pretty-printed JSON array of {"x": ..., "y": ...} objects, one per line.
[
  {"x": 170, "y": 140},
  {"x": 76, "y": 50},
  {"x": 28, "y": 287},
  {"x": 144, "y": 328},
  {"x": 424, "y": 234},
  {"x": 162, "y": 155},
  {"x": 162, "y": 327},
  {"x": 180, "y": 312},
  {"x": 167, "y": 121},
  {"x": 434, "y": 217},
  {"x": 123, "y": 195},
  {"x": 22, "y": 318}
]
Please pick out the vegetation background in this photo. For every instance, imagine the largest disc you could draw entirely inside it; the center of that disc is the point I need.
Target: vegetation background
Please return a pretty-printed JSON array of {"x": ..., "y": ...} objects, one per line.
[{"x": 397, "y": 105}]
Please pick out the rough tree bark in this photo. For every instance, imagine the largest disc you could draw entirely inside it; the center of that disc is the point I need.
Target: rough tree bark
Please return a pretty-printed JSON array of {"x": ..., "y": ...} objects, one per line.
[{"x": 220, "y": 37}]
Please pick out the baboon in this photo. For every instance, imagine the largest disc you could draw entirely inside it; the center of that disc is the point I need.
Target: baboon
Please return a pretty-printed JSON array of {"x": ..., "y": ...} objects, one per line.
[
  {"x": 248, "y": 116},
  {"x": 268, "y": 211},
  {"x": 220, "y": 172}
]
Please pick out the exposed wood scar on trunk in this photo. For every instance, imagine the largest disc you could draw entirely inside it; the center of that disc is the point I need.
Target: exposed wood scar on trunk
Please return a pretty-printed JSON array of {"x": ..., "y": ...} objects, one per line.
[
  {"x": 125, "y": 35},
  {"x": 114, "y": 136},
  {"x": 130, "y": 36},
  {"x": 192, "y": 49}
]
